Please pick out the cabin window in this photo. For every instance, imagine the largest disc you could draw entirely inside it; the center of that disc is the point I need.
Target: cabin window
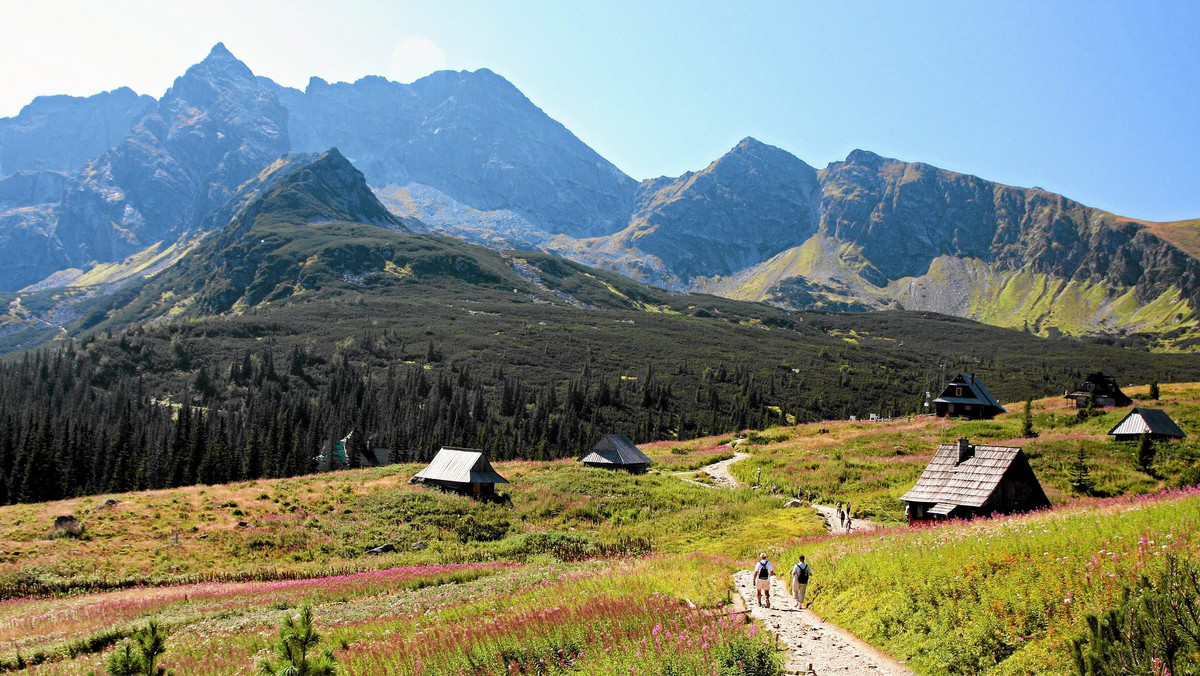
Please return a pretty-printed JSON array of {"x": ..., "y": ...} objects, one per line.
[
  {"x": 968, "y": 407},
  {"x": 958, "y": 391}
]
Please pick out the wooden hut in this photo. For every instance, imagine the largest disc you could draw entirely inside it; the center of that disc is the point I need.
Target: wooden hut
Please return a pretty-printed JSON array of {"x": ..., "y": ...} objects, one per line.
[
  {"x": 1100, "y": 391},
  {"x": 963, "y": 481},
  {"x": 1152, "y": 421},
  {"x": 616, "y": 451},
  {"x": 462, "y": 470},
  {"x": 967, "y": 397}
]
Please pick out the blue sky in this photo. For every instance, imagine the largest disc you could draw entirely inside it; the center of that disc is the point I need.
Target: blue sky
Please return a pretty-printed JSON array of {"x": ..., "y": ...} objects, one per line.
[{"x": 1096, "y": 100}]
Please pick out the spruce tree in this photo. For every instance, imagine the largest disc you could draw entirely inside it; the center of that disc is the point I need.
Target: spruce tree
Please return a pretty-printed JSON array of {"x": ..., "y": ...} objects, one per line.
[
  {"x": 1154, "y": 390},
  {"x": 1080, "y": 475},
  {"x": 1027, "y": 430},
  {"x": 1146, "y": 453}
]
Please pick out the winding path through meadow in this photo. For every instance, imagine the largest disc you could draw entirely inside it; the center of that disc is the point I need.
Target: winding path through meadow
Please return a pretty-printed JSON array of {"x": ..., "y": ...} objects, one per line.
[{"x": 814, "y": 645}]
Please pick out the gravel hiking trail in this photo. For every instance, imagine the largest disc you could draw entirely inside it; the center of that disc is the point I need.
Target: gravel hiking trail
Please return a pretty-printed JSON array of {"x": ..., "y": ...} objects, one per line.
[
  {"x": 813, "y": 645},
  {"x": 831, "y": 521}
]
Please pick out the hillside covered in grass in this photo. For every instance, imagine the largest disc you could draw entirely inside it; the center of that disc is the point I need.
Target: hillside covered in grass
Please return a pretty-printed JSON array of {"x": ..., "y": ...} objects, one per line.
[
  {"x": 1010, "y": 595},
  {"x": 220, "y": 563},
  {"x": 871, "y": 464},
  {"x": 304, "y": 320}
]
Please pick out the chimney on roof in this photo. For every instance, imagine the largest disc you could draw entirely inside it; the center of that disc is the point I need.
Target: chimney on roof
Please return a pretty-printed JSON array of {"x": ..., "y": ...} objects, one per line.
[{"x": 965, "y": 450}]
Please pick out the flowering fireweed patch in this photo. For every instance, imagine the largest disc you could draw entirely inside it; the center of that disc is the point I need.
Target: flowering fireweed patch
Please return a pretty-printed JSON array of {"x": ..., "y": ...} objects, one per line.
[
  {"x": 1003, "y": 595},
  {"x": 654, "y": 615},
  {"x": 39, "y": 624}
]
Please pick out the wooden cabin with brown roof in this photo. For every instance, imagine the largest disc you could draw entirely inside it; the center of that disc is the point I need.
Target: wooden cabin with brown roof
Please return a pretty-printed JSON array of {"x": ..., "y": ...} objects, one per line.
[
  {"x": 967, "y": 397},
  {"x": 964, "y": 481},
  {"x": 462, "y": 470},
  {"x": 1098, "y": 391},
  {"x": 617, "y": 451}
]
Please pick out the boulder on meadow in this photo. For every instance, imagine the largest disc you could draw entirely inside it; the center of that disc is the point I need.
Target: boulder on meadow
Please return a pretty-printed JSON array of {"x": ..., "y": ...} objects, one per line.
[
  {"x": 793, "y": 503},
  {"x": 382, "y": 549},
  {"x": 108, "y": 503},
  {"x": 420, "y": 546}
]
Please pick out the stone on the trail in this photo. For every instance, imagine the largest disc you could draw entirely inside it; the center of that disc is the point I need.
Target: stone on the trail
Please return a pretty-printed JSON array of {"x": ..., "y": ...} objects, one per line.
[
  {"x": 382, "y": 549},
  {"x": 792, "y": 503},
  {"x": 420, "y": 546}
]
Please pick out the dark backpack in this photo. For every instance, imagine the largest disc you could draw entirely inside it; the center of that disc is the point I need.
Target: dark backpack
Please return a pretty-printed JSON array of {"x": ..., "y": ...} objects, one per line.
[
  {"x": 802, "y": 571},
  {"x": 763, "y": 573}
]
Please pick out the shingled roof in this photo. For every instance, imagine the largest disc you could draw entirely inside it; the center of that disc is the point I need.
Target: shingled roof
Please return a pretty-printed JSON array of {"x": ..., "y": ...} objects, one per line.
[
  {"x": 969, "y": 483},
  {"x": 615, "y": 449},
  {"x": 1147, "y": 420},
  {"x": 982, "y": 396},
  {"x": 459, "y": 465}
]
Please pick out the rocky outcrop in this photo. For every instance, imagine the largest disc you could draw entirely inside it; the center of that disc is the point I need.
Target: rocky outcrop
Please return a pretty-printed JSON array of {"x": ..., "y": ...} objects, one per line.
[
  {"x": 215, "y": 128},
  {"x": 60, "y": 133},
  {"x": 752, "y": 203},
  {"x": 470, "y": 135},
  {"x": 902, "y": 216}
]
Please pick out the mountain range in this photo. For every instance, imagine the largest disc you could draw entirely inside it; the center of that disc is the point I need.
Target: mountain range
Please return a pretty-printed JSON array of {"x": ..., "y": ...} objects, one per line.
[{"x": 96, "y": 192}]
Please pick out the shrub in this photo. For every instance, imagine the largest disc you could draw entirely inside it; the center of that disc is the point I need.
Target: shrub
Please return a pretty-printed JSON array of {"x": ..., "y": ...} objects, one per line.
[
  {"x": 748, "y": 656},
  {"x": 481, "y": 528},
  {"x": 298, "y": 637},
  {"x": 139, "y": 656},
  {"x": 1154, "y": 630}
]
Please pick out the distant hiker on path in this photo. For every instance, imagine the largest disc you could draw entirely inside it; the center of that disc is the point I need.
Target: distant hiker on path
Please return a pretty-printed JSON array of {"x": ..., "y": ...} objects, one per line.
[
  {"x": 800, "y": 574},
  {"x": 763, "y": 571},
  {"x": 841, "y": 516}
]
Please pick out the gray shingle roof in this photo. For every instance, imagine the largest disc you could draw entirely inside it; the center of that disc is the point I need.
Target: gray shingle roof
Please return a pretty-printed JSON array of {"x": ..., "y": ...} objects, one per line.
[
  {"x": 1152, "y": 420},
  {"x": 616, "y": 449},
  {"x": 460, "y": 465},
  {"x": 969, "y": 483}
]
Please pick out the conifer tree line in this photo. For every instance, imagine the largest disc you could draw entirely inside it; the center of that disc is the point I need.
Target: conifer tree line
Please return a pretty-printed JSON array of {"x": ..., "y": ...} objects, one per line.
[
  {"x": 134, "y": 412},
  {"x": 95, "y": 418}
]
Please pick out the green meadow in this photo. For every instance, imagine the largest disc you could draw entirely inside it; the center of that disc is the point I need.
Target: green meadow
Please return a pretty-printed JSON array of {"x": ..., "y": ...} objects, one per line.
[{"x": 580, "y": 570}]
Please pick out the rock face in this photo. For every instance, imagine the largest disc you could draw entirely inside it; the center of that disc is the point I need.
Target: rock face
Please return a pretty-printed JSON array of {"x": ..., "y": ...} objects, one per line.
[
  {"x": 216, "y": 127},
  {"x": 471, "y": 136},
  {"x": 60, "y": 133},
  {"x": 259, "y": 256},
  {"x": 745, "y": 207},
  {"x": 465, "y": 153}
]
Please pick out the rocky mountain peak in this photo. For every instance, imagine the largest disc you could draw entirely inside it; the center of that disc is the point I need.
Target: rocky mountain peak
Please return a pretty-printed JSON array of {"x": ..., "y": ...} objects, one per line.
[
  {"x": 866, "y": 158},
  {"x": 751, "y": 155}
]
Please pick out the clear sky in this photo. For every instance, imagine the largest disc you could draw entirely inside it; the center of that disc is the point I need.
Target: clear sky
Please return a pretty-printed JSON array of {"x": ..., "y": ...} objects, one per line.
[{"x": 1097, "y": 100}]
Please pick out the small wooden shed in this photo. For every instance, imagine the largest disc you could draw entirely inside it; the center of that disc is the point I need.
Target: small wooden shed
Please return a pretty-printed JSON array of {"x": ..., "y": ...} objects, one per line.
[
  {"x": 462, "y": 470},
  {"x": 617, "y": 451},
  {"x": 964, "y": 481},
  {"x": 1099, "y": 391},
  {"x": 967, "y": 397},
  {"x": 1152, "y": 421}
]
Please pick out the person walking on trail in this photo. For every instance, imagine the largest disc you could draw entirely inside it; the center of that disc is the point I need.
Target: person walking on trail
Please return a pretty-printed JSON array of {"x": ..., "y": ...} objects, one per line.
[
  {"x": 763, "y": 571},
  {"x": 800, "y": 574},
  {"x": 841, "y": 516}
]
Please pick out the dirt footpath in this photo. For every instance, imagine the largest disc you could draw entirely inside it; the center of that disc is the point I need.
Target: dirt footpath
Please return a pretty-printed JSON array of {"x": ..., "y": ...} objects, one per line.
[{"x": 810, "y": 640}]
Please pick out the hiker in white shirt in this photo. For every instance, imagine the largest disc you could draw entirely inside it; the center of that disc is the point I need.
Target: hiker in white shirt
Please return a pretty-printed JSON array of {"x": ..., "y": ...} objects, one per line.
[
  {"x": 800, "y": 574},
  {"x": 763, "y": 571}
]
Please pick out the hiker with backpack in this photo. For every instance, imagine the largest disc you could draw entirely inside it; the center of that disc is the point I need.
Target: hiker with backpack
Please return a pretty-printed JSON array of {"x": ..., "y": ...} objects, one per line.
[
  {"x": 763, "y": 571},
  {"x": 800, "y": 574}
]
